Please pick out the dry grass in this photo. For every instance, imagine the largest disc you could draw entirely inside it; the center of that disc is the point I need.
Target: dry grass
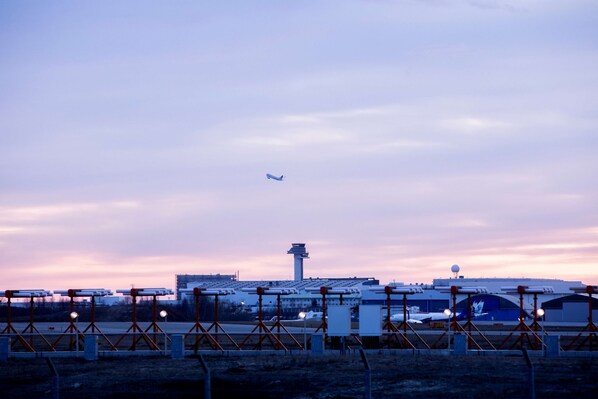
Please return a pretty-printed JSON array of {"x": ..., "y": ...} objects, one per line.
[{"x": 275, "y": 376}]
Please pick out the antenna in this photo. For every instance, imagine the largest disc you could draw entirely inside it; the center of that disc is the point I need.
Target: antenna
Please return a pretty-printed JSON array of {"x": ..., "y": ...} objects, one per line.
[{"x": 455, "y": 270}]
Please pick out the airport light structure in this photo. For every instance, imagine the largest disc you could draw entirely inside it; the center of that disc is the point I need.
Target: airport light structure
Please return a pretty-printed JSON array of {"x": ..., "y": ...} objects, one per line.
[
  {"x": 278, "y": 323},
  {"x": 197, "y": 329},
  {"x": 522, "y": 327},
  {"x": 164, "y": 315},
  {"x": 541, "y": 313},
  {"x": 447, "y": 312},
  {"x": 74, "y": 316},
  {"x": 326, "y": 291},
  {"x": 303, "y": 316},
  {"x": 72, "y": 328},
  {"x": 590, "y": 329},
  {"x": 263, "y": 330},
  {"x": 9, "y": 329},
  {"x": 154, "y": 324},
  {"x": 467, "y": 328},
  {"x": 135, "y": 328},
  {"x": 392, "y": 330}
]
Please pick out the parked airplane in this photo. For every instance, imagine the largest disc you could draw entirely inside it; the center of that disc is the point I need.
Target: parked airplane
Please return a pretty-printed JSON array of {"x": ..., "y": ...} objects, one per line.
[
  {"x": 269, "y": 176},
  {"x": 311, "y": 315},
  {"x": 414, "y": 316}
]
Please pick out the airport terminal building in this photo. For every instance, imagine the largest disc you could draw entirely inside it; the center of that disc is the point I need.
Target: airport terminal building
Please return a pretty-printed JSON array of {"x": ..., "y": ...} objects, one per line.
[{"x": 500, "y": 300}]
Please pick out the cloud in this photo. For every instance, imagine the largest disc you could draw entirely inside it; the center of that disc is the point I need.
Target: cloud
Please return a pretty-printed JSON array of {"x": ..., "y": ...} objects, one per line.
[{"x": 57, "y": 211}]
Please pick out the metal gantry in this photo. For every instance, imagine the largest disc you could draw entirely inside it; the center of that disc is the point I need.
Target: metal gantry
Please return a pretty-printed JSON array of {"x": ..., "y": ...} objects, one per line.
[
  {"x": 392, "y": 330},
  {"x": 263, "y": 330},
  {"x": 590, "y": 329},
  {"x": 525, "y": 333},
  {"x": 522, "y": 327},
  {"x": 197, "y": 329},
  {"x": 467, "y": 328},
  {"x": 72, "y": 327},
  {"x": 135, "y": 328},
  {"x": 326, "y": 291},
  {"x": 30, "y": 294}
]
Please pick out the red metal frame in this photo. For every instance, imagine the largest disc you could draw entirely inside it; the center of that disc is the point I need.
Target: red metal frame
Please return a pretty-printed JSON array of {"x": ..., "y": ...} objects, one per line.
[
  {"x": 394, "y": 331},
  {"x": 523, "y": 328},
  {"x": 218, "y": 327},
  {"x": 324, "y": 291},
  {"x": 263, "y": 330},
  {"x": 278, "y": 324},
  {"x": 469, "y": 291},
  {"x": 93, "y": 325},
  {"x": 135, "y": 328},
  {"x": 590, "y": 329},
  {"x": 9, "y": 329},
  {"x": 33, "y": 331},
  {"x": 72, "y": 328},
  {"x": 199, "y": 331},
  {"x": 324, "y": 324}
]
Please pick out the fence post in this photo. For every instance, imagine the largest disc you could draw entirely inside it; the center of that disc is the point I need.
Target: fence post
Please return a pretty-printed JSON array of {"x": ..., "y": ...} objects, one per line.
[
  {"x": 317, "y": 344},
  {"x": 460, "y": 344},
  {"x": 531, "y": 384},
  {"x": 91, "y": 347},
  {"x": 367, "y": 394},
  {"x": 207, "y": 379},
  {"x": 342, "y": 346},
  {"x": 4, "y": 348},
  {"x": 177, "y": 347},
  {"x": 553, "y": 346},
  {"x": 55, "y": 379}
]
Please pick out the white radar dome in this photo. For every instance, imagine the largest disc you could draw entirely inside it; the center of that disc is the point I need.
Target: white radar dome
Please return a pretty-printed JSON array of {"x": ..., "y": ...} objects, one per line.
[{"x": 455, "y": 268}]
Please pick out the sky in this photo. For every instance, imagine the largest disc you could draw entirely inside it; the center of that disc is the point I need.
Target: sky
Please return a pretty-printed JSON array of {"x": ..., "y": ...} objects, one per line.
[{"x": 413, "y": 135}]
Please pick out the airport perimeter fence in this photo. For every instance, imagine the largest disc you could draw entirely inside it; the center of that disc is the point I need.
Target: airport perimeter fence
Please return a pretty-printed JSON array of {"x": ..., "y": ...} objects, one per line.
[{"x": 58, "y": 339}]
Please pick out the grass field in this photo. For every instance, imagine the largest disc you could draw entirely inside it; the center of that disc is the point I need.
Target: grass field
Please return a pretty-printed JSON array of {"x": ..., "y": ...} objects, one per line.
[{"x": 326, "y": 376}]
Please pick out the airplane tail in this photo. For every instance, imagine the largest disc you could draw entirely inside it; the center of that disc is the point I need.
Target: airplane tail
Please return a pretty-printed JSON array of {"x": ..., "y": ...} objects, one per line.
[{"x": 478, "y": 308}]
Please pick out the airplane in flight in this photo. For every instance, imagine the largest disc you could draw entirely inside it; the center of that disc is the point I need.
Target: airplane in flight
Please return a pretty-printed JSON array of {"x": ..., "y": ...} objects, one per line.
[
  {"x": 269, "y": 176},
  {"x": 416, "y": 317}
]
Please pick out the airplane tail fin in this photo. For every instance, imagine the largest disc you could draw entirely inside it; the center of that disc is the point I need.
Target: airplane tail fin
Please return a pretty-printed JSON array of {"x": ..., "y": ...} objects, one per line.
[{"x": 478, "y": 308}]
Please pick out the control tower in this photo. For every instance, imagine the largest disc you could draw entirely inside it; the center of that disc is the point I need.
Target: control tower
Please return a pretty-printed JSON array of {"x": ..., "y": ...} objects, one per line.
[{"x": 299, "y": 253}]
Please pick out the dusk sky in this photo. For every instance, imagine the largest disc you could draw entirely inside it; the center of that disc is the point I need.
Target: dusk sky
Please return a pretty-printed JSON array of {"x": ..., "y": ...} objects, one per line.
[{"x": 135, "y": 137}]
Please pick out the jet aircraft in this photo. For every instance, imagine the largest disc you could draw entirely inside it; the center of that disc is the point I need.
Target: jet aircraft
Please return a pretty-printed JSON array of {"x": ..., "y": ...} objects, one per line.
[
  {"x": 413, "y": 316},
  {"x": 269, "y": 176}
]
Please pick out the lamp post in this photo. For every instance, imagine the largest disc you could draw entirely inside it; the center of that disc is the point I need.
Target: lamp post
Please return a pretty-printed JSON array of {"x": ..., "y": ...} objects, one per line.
[
  {"x": 164, "y": 315},
  {"x": 540, "y": 313},
  {"x": 303, "y": 315},
  {"x": 74, "y": 318},
  {"x": 447, "y": 313}
]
